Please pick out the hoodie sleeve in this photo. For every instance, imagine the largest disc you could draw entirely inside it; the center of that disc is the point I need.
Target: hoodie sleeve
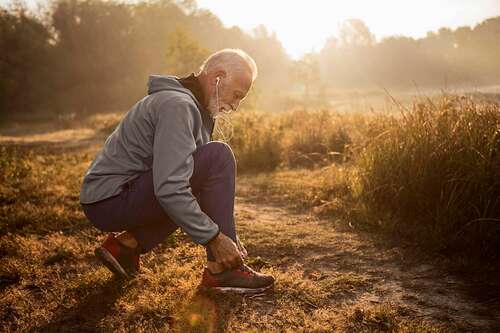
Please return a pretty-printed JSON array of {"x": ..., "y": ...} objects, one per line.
[{"x": 173, "y": 164}]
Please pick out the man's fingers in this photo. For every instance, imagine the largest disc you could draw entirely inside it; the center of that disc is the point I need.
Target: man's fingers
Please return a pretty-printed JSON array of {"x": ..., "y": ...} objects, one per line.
[
  {"x": 232, "y": 262},
  {"x": 236, "y": 261},
  {"x": 228, "y": 262},
  {"x": 225, "y": 261},
  {"x": 227, "y": 252}
]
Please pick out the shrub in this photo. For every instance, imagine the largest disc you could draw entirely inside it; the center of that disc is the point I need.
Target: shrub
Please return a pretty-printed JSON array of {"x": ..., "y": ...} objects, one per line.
[
  {"x": 255, "y": 138},
  {"x": 264, "y": 141},
  {"x": 314, "y": 138}
]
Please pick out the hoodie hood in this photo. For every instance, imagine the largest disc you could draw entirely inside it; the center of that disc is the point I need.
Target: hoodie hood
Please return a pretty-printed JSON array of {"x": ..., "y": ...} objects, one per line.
[{"x": 166, "y": 82}]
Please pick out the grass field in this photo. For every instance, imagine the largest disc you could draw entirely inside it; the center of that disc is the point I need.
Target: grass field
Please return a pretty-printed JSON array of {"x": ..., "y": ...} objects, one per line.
[
  {"x": 360, "y": 218},
  {"x": 429, "y": 173}
]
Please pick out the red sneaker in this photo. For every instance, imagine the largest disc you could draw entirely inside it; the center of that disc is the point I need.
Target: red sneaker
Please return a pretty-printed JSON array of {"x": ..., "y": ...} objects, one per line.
[
  {"x": 241, "y": 280},
  {"x": 120, "y": 259}
]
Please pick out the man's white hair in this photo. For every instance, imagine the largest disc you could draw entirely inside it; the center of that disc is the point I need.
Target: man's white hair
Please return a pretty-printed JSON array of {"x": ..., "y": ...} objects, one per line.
[{"x": 229, "y": 60}]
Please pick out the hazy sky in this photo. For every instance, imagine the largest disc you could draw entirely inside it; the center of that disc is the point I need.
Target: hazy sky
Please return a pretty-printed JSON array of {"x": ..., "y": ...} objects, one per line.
[{"x": 305, "y": 25}]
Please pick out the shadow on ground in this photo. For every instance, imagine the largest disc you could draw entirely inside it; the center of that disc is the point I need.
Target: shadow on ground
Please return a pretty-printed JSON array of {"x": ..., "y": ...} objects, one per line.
[{"x": 89, "y": 311}]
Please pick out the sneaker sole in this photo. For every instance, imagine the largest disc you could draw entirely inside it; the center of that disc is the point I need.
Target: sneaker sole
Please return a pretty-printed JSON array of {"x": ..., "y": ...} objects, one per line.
[
  {"x": 110, "y": 262},
  {"x": 236, "y": 290}
]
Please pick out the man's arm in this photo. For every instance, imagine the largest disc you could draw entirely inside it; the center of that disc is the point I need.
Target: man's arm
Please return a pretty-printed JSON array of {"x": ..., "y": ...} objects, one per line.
[{"x": 173, "y": 164}]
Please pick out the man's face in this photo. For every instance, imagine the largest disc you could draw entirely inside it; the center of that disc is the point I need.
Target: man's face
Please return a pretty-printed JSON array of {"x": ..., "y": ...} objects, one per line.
[{"x": 229, "y": 92}]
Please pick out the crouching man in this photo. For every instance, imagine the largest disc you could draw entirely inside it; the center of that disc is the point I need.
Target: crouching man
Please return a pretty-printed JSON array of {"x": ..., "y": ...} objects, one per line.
[{"x": 159, "y": 171}]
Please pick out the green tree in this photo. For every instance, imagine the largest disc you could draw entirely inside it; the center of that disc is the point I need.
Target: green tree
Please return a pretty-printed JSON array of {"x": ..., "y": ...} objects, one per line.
[
  {"x": 184, "y": 54},
  {"x": 25, "y": 63},
  {"x": 94, "y": 54}
]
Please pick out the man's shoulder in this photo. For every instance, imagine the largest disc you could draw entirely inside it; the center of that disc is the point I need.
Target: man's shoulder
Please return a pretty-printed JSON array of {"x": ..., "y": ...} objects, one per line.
[
  {"x": 174, "y": 98},
  {"x": 170, "y": 104}
]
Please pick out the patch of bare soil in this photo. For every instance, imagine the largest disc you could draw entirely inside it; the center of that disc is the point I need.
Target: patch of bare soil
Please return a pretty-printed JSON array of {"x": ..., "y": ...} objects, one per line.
[
  {"x": 355, "y": 284},
  {"x": 67, "y": 138}
]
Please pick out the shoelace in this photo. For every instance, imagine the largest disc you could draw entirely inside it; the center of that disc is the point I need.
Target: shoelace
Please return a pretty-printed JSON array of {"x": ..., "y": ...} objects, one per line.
[{"x": 246, "y": 269}]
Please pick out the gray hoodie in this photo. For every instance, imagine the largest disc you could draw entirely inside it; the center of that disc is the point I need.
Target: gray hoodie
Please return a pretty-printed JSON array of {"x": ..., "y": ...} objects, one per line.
[{"x": 160, "y": 132}]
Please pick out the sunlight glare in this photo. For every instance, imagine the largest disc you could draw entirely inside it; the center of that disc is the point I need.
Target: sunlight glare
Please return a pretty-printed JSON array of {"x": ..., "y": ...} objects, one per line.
[{"x": 304, "y": 26}]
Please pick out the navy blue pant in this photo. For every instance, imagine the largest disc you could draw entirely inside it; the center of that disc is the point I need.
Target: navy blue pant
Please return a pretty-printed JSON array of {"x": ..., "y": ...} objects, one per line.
[{"x": 137, "y": 210}]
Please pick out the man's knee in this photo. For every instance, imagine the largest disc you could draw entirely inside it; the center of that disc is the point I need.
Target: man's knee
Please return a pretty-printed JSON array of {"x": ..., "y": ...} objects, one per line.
[{"x": 222, "y": 153}]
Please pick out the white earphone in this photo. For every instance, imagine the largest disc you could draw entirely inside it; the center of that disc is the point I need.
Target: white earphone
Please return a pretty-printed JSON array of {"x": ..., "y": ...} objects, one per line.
[{"x": 217, "y": 92}]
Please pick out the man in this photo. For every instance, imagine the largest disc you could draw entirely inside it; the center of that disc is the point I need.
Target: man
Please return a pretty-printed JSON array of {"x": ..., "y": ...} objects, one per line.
[{"x": 159, "y": 171}]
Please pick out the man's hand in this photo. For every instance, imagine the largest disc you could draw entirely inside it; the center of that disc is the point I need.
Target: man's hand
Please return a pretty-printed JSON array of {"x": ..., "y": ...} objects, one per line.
[{"x": 225, "y": 251}]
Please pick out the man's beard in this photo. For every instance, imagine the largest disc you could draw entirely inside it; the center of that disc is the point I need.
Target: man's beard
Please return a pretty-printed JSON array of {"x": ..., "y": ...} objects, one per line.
[{"x": 215, "y": 108}]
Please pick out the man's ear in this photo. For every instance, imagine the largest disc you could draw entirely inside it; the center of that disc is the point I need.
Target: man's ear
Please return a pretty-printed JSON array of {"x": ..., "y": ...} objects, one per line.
[{"x": 219, "y": 75}]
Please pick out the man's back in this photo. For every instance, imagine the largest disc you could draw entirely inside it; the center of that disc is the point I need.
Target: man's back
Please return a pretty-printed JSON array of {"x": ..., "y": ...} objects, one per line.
[{"x": 129, "y": 150}]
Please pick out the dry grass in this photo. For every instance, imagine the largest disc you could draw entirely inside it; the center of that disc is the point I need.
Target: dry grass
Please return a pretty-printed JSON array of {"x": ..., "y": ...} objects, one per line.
[
  {"x": 328, "y": 280},
  {"x": 434, "y": 173},
  {"x": 429, "y": 174},
  {"x": 266, "y": 141},
  {"x": 50, "y": 280}
]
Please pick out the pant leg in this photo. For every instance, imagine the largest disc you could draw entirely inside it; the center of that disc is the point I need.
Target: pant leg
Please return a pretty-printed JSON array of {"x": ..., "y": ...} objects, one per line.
[
  {"x": 146, "y": 219},
  {"x": 213, "y": 183},
  {"x": 135, "y": 210},
  {"x": 138, "y": 211}
]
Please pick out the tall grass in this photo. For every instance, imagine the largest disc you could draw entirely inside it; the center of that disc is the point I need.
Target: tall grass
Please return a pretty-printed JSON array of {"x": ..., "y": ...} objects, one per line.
[
  {"x": 266, "y": 141},
  {"x": 431, "y": 173},
  {"x": 435, "y": 171},
  {"x": 255, "y": 138}
]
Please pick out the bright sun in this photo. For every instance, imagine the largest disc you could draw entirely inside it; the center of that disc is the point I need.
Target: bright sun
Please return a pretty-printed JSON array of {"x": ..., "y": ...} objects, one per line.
[{"x": 303, "y": 26}]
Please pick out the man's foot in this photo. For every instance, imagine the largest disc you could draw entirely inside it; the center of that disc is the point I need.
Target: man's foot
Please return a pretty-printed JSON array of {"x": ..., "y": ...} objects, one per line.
[
  {"x": 123, "y": 261},
  {"x": 241, "y": 280}
]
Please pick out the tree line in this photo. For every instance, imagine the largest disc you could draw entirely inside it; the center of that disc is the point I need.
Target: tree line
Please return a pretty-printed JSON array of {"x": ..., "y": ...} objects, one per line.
[
  {"x": 464, "y": 56},
  {"x": 86, "y": 56}
]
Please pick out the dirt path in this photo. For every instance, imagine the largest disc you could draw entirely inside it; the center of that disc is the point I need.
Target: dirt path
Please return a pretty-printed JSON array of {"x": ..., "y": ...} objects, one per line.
[{"x": 335, "y": 280}]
